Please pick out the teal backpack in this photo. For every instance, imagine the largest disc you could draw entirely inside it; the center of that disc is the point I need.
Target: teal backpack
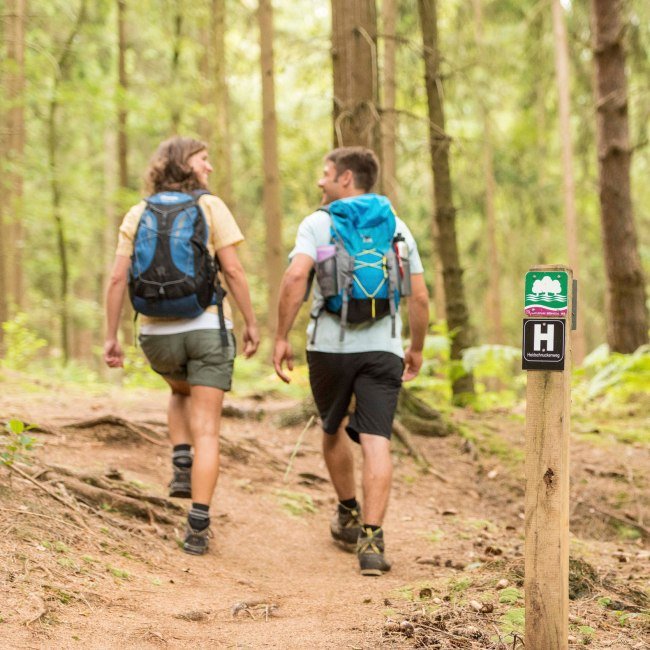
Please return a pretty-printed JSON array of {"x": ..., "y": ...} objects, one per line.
[{"x": 364, "y": 285}]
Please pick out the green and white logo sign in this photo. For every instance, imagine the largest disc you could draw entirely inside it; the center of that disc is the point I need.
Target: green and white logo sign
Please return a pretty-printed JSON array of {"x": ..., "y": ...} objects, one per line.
[{"x": 546, "y": 293}]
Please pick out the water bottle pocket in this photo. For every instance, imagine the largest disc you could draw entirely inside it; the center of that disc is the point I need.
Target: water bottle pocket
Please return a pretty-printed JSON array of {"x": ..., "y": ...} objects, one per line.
[{"x": 326, "y": 270}]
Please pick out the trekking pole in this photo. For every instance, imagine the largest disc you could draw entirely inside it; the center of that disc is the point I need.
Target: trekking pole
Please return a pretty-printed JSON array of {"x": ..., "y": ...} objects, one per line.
[{"x": 546, "y": 354}]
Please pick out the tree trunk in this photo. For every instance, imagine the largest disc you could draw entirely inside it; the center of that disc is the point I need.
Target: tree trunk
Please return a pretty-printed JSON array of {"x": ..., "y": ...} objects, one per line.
[
  {"x": 221, "y": 146},
  {"x": 123, "y": 146},
  {"x": 389, "y": 114},
  {"x": 62, "y": 74},
  {"x": 122, "y": 87},
  {"x": 4, "y": 232},
  {"x": 445, "y": 213},
  {"x": 177, "y": 98},
  {"x": 571, "y": 220},
  {"x": 354, "y": 57},
  {"x": 627, "y": 316},
  {"x": 15, "y": 149},
  {"x": 271, "y": 200},
  {"x": 493, "y": 293}
]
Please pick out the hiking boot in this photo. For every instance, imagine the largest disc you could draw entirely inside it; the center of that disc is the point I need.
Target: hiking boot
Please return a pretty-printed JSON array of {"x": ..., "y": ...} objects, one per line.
[
  {"x": 196, "y": 541},
  {"x": 370, "y": 551},
  {"x": 181, "y": 484},
  {"x": 345, "y": 527}
]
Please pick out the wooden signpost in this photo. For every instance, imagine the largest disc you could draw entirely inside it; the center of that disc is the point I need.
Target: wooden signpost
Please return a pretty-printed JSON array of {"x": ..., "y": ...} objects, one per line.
[{"x": 546, "y": 354}]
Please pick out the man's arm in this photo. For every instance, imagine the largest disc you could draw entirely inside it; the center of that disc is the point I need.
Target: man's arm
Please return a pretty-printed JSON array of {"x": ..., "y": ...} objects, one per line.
[
  {"x": 113, "y": 354},
  {"x": 292, "y": 293},
  {"x": 235, "y": 277},
  {"x": 418, "y": 311}
]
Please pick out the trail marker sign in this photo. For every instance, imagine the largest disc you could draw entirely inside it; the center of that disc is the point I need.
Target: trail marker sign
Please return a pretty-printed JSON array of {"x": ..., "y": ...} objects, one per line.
[
  {"x": 543, "y": 344},
  {"x": 546, "y": 293}
]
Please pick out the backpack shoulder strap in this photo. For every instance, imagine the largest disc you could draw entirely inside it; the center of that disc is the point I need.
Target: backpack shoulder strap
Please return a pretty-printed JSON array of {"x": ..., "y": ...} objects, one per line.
[{"x": 220, "y": 292}]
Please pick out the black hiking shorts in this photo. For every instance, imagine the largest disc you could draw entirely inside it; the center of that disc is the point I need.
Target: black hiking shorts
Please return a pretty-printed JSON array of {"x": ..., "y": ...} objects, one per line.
[{"x": 373, "y": 378}]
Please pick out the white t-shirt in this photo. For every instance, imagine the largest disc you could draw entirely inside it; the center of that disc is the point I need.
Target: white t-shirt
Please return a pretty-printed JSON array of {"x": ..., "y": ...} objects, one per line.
[{"x": 314, "y": 231}]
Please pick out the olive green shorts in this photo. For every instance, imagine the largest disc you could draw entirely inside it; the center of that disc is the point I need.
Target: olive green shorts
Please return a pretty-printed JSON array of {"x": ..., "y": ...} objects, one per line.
[{"x": 197, "y": 357}]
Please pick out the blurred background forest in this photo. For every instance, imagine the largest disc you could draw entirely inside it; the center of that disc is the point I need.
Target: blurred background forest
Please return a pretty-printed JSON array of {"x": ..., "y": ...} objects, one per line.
[{"x": 90, "y": 87}]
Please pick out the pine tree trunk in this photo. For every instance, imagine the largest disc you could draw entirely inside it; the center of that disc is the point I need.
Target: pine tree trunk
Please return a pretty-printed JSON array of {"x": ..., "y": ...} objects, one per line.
[
  {"x": 4, "y": 232},
  {"x": 389, "y": 115},
  {"x": 354, "y": 57},
  {"x": 177, "y": 98},
  {"x": 571, "y": 219},
  {"x": 15, "y": 149},
  {"x": 627, "y": 315},
  {"x": 271, "y": 200},
  {"x": 126, "y": 324},
  {"x": 493, "y": 293},
  {"x": 221, "y": 146},
  {"x": 445, "y": 213}
]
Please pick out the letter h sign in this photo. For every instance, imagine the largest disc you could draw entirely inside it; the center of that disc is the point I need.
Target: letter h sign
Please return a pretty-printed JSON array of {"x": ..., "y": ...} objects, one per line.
[
  {"x": 543, "y": 344},
  {"x": 539, "y": 337}
]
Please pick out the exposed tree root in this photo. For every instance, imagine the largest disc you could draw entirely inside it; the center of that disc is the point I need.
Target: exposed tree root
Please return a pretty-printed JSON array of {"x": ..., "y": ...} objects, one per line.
[
  {"x": 136, "y": 431},
  {"x": 297, "y": 415},
  {"x": 118, "y": 486},
  {"x": 98, "y": 497},
  {"x": 419, "y": 418}
]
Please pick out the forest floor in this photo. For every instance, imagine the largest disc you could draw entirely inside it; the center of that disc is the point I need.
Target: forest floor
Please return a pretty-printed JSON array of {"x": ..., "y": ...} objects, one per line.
[{"x": 79, "y": 571}]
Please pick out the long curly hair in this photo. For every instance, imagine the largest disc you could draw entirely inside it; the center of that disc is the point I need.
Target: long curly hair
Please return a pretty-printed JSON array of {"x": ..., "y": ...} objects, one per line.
[{"x": 168, "y": 169}]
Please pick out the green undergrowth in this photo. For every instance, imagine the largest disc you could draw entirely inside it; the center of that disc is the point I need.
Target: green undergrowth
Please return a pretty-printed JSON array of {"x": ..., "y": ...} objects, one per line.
[{"x": 610, "y": 391}]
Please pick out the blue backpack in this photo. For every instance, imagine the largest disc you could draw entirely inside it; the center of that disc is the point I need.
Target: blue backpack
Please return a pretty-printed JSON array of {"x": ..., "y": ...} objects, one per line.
[
  {"x": 367, "y": 289},
  {"x": 172, "y": 272}
]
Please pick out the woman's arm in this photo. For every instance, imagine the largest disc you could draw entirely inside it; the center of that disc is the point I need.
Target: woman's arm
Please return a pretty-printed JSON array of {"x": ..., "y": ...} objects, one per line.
[{"x": 235, "y": 277}]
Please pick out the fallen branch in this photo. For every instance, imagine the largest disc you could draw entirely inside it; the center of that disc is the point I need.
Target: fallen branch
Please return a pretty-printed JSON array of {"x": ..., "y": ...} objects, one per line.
[
  {"x": 295, "y": 449},
  {"x": 402, "y": 434},
  {"x": 615, "y": 517}
]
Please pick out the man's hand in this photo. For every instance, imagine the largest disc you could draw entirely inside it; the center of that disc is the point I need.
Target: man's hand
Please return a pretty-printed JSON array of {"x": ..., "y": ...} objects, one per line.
[
  {"x": 251, "y": 340},
  {"x": 412, "y": 364},
  {"x": 113, "y": 355},
  {"x": 281, "y": 353}
]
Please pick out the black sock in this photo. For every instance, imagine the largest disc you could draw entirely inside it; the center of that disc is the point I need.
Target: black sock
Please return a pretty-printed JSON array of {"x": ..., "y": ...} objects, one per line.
[
  {"x": 199, "y": 516},
  {"x": 373, "y": 528},
  {"x": 182, "y": 456},
  {"x": 348, "y": 504}
]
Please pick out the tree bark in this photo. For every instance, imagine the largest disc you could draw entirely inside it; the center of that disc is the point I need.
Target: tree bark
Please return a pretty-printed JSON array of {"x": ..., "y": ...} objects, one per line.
[
  {"x": 356, "y": 86},
  {"x": 571, "y": 219},
  {"x": 389, "y": 114},
  {"x": 627, "y": 315},
  {"x": 126, "y": 324},
  {"x": 493, "y": 293},
  {"x": 177, "y": 99},
  {"x": 221, "y": 145},
  {"x": 445, "y": 213},
  {"x": 271, "y": 199},
  {"x": 15, "y": 150},
  {"x": 122, "y": 87}
]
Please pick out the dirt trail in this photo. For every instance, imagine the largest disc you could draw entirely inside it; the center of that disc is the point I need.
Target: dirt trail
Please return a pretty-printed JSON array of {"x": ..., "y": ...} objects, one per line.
[{"x": 459, "y": 525}]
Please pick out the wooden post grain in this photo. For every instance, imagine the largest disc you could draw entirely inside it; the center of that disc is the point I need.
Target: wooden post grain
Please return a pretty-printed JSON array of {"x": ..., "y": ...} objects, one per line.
[{"x": 546, "y": 583}]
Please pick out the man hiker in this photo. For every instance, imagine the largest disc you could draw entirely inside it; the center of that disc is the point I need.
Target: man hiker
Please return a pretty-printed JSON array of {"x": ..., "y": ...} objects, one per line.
[
  {"x": 364, "y": 258},
  {"x": 169, "y": 253}
]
